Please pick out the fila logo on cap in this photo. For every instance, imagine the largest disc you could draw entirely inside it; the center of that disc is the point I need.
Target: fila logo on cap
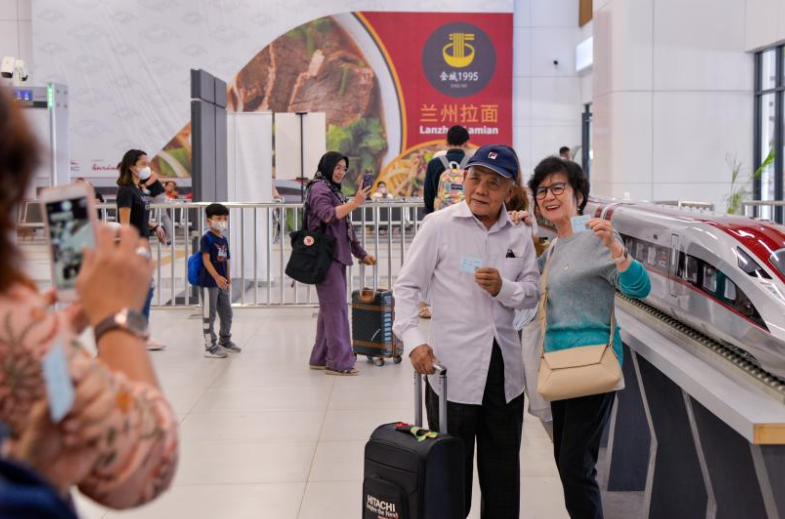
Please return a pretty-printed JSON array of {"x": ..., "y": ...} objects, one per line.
[{"x": 492, "y": 155}]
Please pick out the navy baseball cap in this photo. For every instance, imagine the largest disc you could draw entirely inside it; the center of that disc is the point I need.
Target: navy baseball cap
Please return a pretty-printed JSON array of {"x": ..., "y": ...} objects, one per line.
[{"x": 495, "y": 157}]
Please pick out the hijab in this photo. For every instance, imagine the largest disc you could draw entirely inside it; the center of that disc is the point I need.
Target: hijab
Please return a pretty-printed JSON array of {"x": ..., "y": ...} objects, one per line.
[{"x": 325, "y": 170}]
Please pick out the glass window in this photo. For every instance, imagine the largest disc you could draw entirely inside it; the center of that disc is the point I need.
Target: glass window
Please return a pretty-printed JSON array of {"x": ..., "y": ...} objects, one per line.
[
  {"x": 770, "y": 89},
  {"x": 640, "y": 251},
  {"x": 778, "y": 260},
  {"x": 744, "y": 306},
  {"x": 749, "y": 265},
  {"x": 691, "y": 271},
  {"x": 768, "y": 69},
  {"x": 730, "y": 290},
  {"x": 662, "y": 259},
  {"x": 767, "y": 143},
  {"x": 709, "y": 278},
  {"x": 652, "y": 259}
]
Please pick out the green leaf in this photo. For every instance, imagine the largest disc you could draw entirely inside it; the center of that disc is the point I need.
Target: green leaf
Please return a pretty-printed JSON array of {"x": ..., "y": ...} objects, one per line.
[
  {"x": 323, "y": 24},
  {"x": 339, "y": 138},
  {"x": 373, "y": 140},
  {"x": 768, "y": 161},
  {"x": 344, "y": 77}
]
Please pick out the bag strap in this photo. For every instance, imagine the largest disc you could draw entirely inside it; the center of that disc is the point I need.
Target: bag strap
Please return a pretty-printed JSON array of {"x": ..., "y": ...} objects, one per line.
[
  {"x": 465, "y": 160},
  {"x": 543, "y": 313},
  {"x": 445, "y": 162},
  {"x": 322, "y": 226}
]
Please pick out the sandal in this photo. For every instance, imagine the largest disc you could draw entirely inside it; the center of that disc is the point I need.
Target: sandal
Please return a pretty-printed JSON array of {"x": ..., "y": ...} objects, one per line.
[
  {"x": 349, "y": 372},
  {"x": 317, "y": 367}
]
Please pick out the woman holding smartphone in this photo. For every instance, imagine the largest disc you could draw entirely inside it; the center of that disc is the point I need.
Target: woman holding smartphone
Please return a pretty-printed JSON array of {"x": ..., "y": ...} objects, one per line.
[
  {"x": 327, "y": 207},
  {"x": 133, "y": 208},
  {"x": 118, "y": 439},
  {"x": 583, "y": 270}
]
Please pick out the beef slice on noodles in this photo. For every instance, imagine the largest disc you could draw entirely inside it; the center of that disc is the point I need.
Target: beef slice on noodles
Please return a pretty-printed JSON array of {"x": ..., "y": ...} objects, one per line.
[
  {"x": 252, "y": 83},
  {"x": 339, "y": 84}
]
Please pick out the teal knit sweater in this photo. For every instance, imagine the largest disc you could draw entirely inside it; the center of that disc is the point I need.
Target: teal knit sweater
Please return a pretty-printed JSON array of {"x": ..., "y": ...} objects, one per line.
[{"x": 582, "y": 285}]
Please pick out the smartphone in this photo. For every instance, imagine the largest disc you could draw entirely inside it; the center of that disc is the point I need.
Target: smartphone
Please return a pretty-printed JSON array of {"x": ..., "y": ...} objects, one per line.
[
  {"x": 368, "y": 180},
  {"x": 70, "y": 220}
]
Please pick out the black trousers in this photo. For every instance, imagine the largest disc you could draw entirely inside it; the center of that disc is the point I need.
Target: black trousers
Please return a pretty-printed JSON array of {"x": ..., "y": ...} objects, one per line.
[
  {"x": 496, "y": 426},
  {"x": 578, "y": 424}
]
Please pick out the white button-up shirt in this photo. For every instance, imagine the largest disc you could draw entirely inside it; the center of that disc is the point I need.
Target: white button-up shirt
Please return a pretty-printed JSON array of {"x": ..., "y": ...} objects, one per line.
[{"x": 466, "y": 318}]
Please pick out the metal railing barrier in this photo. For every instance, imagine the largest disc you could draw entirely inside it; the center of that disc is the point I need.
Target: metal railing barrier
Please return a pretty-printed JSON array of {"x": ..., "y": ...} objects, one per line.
[{"x": 259, "y": 246}]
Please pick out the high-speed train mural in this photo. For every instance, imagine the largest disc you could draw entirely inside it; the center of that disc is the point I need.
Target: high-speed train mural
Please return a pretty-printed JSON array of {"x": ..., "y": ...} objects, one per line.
[{"x": 723, "y": 275}]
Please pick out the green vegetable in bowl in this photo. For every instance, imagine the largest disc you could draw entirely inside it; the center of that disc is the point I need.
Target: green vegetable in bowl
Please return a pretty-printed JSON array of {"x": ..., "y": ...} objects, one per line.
[{"x": 362, "y": 141}]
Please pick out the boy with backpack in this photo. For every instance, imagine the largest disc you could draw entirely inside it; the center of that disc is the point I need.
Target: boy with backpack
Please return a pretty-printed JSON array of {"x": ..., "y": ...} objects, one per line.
[
  {"x": 214, "y": 279},
  {"x": 444, "y": 178}
]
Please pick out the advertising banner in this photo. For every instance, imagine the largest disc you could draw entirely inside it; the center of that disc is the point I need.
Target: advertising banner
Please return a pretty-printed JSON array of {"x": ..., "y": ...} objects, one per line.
[{"x": 390, "y": 83}]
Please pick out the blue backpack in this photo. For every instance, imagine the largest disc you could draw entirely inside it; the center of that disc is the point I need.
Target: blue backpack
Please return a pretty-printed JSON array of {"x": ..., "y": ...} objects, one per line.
[{"x": 195, "y": 268}]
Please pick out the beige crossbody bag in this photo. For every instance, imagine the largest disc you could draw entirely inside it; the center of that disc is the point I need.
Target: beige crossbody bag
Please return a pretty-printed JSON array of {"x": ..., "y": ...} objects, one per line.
[{"x": 579, "y": 371}]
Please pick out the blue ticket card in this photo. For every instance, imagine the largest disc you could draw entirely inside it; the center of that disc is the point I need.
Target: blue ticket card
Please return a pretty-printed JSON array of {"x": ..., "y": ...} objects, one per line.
[
  {"x": 59, "y": 387},
  {"x": 469, "y": 264},
  {"x": 580, "y": 223}
]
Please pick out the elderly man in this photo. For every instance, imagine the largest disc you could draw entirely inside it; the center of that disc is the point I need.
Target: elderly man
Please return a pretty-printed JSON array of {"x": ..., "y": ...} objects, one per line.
[{"x": 481, "y": 268}]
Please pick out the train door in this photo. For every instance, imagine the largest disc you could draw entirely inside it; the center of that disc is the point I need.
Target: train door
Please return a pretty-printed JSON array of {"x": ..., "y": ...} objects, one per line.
[{"x": 673, "y": 271}]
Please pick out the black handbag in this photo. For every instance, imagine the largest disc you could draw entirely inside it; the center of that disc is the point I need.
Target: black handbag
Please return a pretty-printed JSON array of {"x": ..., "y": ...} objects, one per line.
[{"x": 312, "y": 253}]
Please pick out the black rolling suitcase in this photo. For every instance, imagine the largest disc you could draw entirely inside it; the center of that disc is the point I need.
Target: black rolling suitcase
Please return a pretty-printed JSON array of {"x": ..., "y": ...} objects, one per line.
[
  {"x": 373, "y": 313},
  {"x": 411, "y": 473}
]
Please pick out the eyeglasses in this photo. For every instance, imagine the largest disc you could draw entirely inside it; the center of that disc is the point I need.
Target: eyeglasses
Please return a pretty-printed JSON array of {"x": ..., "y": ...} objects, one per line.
[
  {"x": 341, "y": 168},
  {"x": 557, "y": 189}
]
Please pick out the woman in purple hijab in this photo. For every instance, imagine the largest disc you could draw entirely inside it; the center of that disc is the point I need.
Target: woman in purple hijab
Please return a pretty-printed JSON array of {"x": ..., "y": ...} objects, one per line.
[{"x": 327, "y": 206}]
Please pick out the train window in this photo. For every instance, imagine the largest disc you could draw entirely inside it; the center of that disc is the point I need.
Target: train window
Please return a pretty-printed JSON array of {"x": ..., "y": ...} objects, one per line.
[
  {"x": 745, "y": 307},
  {"x": 749, "y": 265},
  {"x": 709, "y": 278},
  {"x": 652, "y": 259},
  {"x": 778, "y": 260},
  {"x": 640, "y": 251},
  {"x": 662, "y": 259},
  {"x": 691, "y": 269},
  {"x": 730, "y": 290}
]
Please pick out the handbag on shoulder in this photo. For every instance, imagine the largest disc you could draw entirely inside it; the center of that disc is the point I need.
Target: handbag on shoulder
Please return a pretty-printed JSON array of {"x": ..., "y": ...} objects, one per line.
[
  {"x": 312, "y": 253},
  {"x": 579, "y": 371}
]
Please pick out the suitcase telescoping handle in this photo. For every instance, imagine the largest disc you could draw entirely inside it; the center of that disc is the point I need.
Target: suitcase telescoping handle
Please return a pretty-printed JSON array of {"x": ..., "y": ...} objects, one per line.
[{"x": 442, "y": 371}]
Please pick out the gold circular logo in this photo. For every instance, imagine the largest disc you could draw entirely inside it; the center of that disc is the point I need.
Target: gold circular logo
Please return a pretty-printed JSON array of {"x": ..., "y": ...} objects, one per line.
[{"x": 458, "y": 53}]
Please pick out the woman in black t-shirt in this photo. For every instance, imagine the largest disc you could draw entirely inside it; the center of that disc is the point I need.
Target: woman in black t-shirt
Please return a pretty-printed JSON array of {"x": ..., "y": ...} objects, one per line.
[
  {"x": 155, "y": 191},
  {"x": 133, "y": 208}
]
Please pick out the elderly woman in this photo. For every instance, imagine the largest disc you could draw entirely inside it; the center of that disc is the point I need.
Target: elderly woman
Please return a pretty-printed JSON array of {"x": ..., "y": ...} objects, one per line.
[
  {"x": 118, "y": 443},
  {"x": 586, "y": 268},
  {"x": 326, "y": 206}
]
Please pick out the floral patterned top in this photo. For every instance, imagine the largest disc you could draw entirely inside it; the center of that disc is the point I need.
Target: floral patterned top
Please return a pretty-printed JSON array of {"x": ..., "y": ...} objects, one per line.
[{"x": 138, "y": 452}]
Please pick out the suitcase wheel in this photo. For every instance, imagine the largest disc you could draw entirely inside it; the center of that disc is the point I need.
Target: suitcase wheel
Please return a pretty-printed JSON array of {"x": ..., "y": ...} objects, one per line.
[
  {"x": 378, "y": 361},
  {"x": 398, "y": 359}
]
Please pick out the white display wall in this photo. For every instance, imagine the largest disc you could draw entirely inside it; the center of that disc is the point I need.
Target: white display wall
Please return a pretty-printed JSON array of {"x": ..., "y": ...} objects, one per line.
[
  {"x": 547, "y": 97},
  {"x": 672, "y": 90}
]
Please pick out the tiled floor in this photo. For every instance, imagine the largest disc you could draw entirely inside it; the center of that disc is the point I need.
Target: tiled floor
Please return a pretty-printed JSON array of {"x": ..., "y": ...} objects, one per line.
[{"x": 264, "y": 437}]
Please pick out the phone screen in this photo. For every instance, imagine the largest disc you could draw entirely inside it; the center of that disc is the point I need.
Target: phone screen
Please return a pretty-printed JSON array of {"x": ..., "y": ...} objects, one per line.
[
  {"x": 70, "y": 232},
  {"x": 367, "y": 180}
]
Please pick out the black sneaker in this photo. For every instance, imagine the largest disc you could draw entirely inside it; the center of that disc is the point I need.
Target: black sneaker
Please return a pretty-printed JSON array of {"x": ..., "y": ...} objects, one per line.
[
  {"x": 231, "y": 347},
  {"x": 215, "y": 352}
]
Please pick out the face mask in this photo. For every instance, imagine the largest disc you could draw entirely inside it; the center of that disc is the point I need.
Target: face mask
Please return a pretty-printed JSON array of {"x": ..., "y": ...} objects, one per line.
[
  {"x": 218, "y": 226},
  {"x": 144, "y": 173}
]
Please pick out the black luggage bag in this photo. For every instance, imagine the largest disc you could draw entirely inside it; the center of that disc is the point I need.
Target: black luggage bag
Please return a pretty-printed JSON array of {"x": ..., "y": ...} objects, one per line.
[
  {"x": 411, "y": 478},
  {"x": 373, "y": 313}
]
